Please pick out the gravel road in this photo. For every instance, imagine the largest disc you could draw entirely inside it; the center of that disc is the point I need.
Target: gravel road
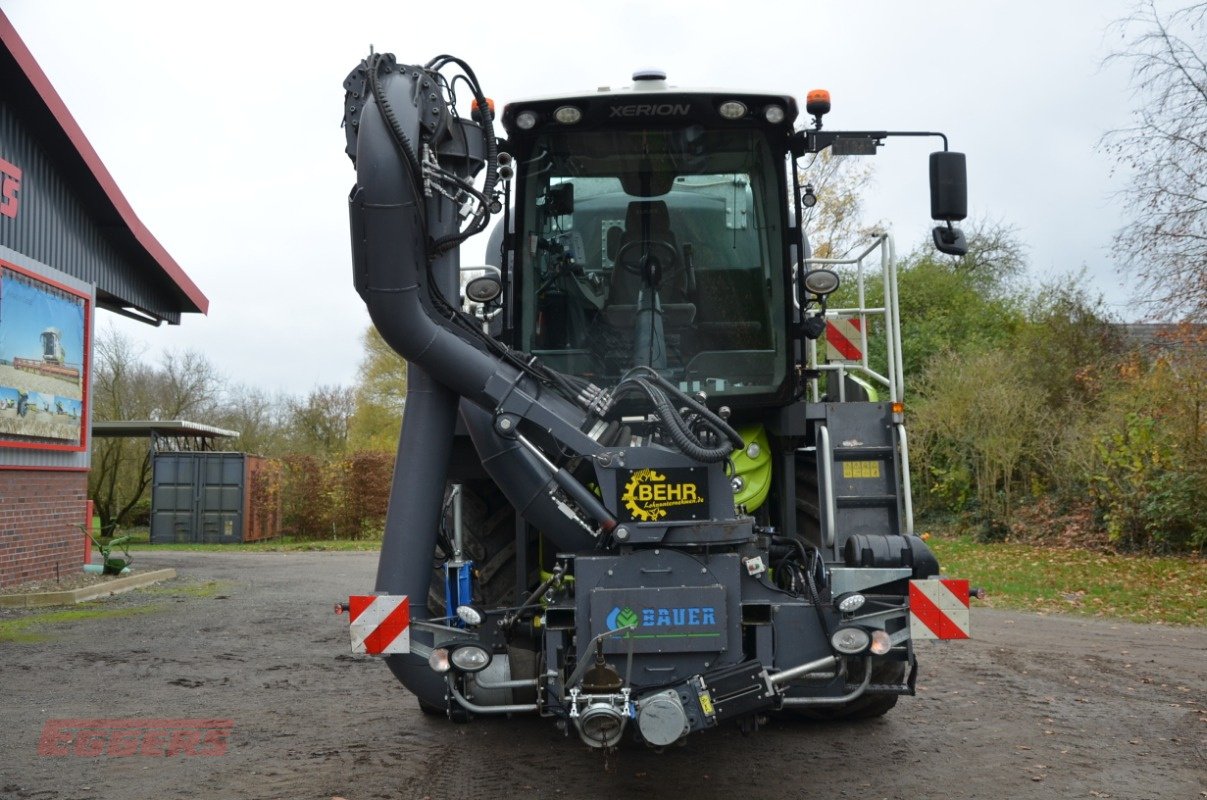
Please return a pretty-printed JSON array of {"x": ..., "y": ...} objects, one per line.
[{"x": 1034, "y": 707}]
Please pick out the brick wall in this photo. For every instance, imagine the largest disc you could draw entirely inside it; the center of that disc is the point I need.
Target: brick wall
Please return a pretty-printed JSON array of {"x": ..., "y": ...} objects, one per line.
[{"x": 39, "y": 512}]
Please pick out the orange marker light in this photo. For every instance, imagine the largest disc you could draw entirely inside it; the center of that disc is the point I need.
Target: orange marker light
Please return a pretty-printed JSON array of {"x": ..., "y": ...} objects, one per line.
[
  {"x": 898, "y": 408},
  {"x": 490, "y": 105},
  {"x": 817, "y": 102}
]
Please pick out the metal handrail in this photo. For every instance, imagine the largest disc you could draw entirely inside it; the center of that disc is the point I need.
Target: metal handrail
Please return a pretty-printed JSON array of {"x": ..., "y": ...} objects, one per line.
[
  {"x": 790, "y": 702},
  {"x": 906, "y": 488},
  {"x": 828, "y": 487},
  {"x": 893, "y": 377}
]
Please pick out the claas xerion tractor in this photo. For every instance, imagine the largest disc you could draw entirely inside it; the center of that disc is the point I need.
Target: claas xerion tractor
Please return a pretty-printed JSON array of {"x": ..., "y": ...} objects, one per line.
[{"x": 632, "y": 492}]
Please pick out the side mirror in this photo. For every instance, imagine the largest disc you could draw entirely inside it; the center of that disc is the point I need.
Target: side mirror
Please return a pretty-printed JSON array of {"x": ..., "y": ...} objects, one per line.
[
  {"x": 949, "y": 200},
  {"x": 950, "y": 240},
  {"x": 948, "y": 187}
]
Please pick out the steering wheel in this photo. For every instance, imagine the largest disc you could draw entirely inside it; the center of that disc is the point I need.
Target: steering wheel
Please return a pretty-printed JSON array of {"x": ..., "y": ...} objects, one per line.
[{"x": 668, "y": 267}]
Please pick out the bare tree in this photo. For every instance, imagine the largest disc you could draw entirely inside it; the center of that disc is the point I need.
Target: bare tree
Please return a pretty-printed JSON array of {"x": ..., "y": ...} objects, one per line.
[
  {"x": 1165, "y": 244},
  {"x": 126, "y": 388},
  {"x": 835, "y": 224},
  {"x": 318, "y": 423}
]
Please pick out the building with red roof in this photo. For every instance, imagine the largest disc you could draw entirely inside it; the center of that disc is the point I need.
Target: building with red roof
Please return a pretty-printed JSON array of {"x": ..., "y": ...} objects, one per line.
[{"x": 70, "y": 243}]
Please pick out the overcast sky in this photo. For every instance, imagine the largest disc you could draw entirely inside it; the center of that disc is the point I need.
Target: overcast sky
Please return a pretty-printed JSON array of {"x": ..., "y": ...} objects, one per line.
[{"x": 220, "y": 123}]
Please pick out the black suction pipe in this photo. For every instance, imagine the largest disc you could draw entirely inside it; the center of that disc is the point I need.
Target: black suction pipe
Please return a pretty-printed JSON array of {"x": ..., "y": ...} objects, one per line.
[{"x": 524, "y": 481}]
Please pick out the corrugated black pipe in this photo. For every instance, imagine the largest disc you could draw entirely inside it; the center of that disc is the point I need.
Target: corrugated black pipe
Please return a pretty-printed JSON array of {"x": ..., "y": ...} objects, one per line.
[
  {"x": 390, "y": 233},
  {"x": 389, "y": 244},
  {"x": 413, "y": 519},
  {"x": 389, "y": 248}
]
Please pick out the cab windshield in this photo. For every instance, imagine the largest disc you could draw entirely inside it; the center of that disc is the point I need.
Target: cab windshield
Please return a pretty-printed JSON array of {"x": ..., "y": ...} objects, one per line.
[{"x": 658, "y": 248}]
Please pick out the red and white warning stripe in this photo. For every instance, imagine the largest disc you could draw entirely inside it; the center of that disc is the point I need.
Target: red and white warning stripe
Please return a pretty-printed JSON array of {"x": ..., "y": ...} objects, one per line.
[
  {"x": 844, "y": 336},
  {"x": 380, "y": 624},
  {"x": 938, "y": 609}
]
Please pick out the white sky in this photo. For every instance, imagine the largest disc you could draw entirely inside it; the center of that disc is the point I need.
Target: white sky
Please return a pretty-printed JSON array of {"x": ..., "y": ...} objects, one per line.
[{"x": 220, "y": 123}]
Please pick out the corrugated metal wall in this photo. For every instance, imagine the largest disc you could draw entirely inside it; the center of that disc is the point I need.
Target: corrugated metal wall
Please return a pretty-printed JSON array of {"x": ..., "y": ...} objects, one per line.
[
  {"x": 26, "y": 457},
  {"x": 53, "y": 226}
]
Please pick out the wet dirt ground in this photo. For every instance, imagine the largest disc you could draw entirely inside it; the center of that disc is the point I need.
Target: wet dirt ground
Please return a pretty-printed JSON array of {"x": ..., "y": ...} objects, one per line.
[{"x": 1034, "y": 707}]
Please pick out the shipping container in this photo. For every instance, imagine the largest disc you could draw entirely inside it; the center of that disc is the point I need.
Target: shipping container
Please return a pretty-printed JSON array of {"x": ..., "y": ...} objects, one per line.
[{"x": 213, "y": 497}]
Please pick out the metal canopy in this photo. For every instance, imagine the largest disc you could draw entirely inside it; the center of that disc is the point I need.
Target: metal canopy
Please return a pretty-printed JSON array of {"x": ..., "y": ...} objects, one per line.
[{"x": 169, "y": 434}]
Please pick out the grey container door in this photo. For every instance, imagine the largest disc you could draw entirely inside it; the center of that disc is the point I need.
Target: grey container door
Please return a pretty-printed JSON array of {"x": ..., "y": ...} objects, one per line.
[
  {"x": 173, "y": 490},
  {"x": 197, "y": 497},
  {"x": 220, "y": 511}
]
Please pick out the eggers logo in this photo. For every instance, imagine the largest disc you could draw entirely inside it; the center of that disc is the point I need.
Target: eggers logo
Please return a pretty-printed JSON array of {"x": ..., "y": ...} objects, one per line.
[
  {"x": 649, "y": 496},
  {"x": 10, "y": 183},
  {"x": 135, "y": 737}
]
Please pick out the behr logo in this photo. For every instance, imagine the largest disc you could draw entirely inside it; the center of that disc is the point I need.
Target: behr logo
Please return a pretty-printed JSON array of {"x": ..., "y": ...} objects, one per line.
[
  {"x": 10, "y": 183},
  {"x": 652, "y": 110},
  {"x": 648, "y": 494}
]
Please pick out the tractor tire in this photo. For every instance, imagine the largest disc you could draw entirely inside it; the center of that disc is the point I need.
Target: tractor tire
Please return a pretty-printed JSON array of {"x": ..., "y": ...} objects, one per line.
[
  {"x": 883, "y": 671},
  {"x": 430, "y": 710},
  {"x": 488, "y": 530}
]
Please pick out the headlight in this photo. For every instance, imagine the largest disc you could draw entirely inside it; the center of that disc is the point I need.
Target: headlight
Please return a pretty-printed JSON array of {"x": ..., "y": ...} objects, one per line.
[
  {"x": 470, "y": 616},
  {"x": 851, "y": 641},
  {"x": 470, "y": 658},
  {"x": 568, "y": 115},
  {"x": 732, "y": 109},
  {"x": 850, "y": 603},
  {"x": 526, "y": 120},
  {"x": 821, "y": 281},
  {"x": 774, "y": 114}
]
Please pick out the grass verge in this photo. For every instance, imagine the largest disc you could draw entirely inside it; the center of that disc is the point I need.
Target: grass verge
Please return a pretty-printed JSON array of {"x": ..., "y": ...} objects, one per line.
[
  {"x": 140, "y": 539},
  {"x": 1158, "y": 589},
  {"x": 27, "y": 629}
]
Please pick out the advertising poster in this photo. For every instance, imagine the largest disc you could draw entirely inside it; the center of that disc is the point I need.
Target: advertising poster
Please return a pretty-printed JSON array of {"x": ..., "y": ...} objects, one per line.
[{"x": 43, "y": 362}]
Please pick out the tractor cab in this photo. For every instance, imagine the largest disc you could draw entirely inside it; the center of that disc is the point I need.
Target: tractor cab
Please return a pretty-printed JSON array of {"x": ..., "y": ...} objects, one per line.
[{"x": 650, "y": 231}]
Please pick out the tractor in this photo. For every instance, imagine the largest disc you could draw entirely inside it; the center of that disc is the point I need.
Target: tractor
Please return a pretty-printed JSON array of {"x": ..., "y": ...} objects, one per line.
[{"x": 635, "y": 491}]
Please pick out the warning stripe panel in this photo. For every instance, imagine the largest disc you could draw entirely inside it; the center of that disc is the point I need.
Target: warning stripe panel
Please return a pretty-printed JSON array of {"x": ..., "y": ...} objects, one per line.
[
  {"x": 938, "y": 609},
  {"x": 843, "y": 337},
  {"x": 379, "y": 624}
]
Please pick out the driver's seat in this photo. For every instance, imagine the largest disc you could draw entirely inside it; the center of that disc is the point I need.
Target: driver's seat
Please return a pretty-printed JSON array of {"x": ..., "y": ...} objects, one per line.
[{"x": 646, "y": 220}]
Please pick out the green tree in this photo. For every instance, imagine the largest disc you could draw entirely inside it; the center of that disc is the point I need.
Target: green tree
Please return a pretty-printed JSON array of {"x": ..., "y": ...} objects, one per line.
[
  {"x": 954, "y": 305},
  {"x": 380, "y": 398},
  {"x": 318, "y": 423},
  {"x": 982, "y": 433}
]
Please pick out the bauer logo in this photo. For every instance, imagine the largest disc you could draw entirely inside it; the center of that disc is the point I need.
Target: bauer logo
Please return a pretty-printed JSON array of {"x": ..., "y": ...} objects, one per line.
[
  {"x": 667, "y": 619},
  {"x": 622, "y": 618},
  {"x": 662, "y": 617}
]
